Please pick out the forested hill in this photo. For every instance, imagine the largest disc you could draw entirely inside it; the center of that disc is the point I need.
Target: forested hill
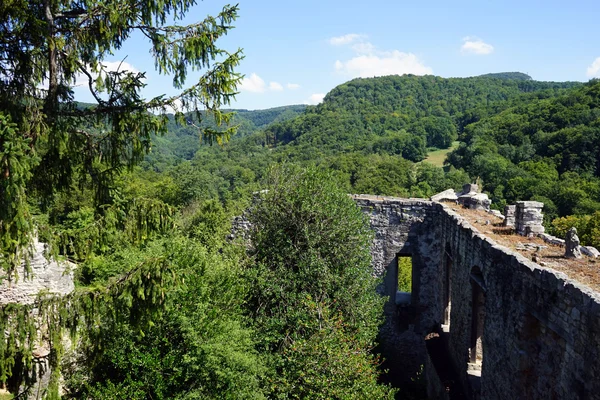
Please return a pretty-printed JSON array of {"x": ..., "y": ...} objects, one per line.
[
  {"x": 508, "y": 75},
  {"x": 403, "y": 115},
  {"x": 181, "y": 142},
  {"x": 545, "y": 149},
  {"x": 523, "y": 139}
]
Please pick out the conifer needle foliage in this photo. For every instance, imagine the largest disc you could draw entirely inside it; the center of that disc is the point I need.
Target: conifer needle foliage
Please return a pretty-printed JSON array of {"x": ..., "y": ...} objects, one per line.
[{"x": 52, "y": 146}]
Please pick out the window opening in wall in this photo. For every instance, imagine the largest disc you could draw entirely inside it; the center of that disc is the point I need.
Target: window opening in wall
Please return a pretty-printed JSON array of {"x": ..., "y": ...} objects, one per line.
[
  {"x": 477, "y": 320},
  {"x": 447, "y": 286},
  {"x": 404, "y": 279}
]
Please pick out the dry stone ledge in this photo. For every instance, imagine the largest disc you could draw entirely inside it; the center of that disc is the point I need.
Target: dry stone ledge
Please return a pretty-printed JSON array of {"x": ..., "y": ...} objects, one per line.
[
  {"x": 446, "y": 195},
  {"x": 497, "y": 214},
  {"x": 589, "y": 251},
  {"x": 470, "y": 197},
  {"x": 473, "y": 199},
  {"x": 552, "y": 239}
]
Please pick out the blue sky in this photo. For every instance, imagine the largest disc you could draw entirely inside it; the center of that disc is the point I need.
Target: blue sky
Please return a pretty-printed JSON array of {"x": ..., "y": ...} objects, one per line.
[{"x": 296, "y": 51}]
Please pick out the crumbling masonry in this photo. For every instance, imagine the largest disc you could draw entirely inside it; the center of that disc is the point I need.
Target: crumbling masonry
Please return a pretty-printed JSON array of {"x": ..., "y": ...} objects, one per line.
[{"x": 507, "y": 327}]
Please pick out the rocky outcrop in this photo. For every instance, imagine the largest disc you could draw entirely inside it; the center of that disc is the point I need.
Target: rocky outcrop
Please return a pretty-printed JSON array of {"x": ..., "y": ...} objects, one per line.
[
  {"x": 46, "y": 275},
  {"x": 572, "y": 247},
  {"x": 446, "y": 195}
]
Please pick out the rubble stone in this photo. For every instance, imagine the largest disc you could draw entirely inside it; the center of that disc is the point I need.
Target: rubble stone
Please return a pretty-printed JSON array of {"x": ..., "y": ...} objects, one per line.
[
  {"x": 572, "y": 247},
  {"x": 509, "y": 215}
]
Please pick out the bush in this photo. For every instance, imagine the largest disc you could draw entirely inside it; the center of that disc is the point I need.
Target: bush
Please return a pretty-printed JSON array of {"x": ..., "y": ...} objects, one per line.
[{"x": 312, "y": 293}]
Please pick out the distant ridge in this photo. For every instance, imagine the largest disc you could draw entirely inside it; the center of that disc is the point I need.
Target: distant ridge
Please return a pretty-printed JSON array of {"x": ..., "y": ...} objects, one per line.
[{"x": 517, "y": 76}]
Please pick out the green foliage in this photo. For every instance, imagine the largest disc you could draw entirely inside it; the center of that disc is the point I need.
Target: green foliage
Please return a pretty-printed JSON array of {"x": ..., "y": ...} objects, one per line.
[
  {"x": 67, "y": 158},
  {"x": 16, "y": 159},
  {"x": 588, "y": 227},
  {"x": 208, "y": 223},
  {"x": 182, "y": 141},
  {"x": 91, "y": 144},
  {"x": 508, "y": 75},
  {"x": 405, "y": 274},
  {"x": 312, "y": 294},
  {"x": 198, "y": 347},
  {"x": 548, "y": 148}
]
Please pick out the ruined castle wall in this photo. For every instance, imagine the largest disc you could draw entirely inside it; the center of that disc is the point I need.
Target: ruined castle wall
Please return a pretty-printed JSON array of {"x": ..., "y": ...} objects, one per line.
[
  {"x": 541, "y": 331},
  {"x": 405, "y": 227}
]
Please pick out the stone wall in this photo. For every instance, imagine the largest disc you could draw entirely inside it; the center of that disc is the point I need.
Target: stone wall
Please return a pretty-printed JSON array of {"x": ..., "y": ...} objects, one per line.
[
  {"x": 539, "y": 331},
  {"x": 404, "y": 228}
]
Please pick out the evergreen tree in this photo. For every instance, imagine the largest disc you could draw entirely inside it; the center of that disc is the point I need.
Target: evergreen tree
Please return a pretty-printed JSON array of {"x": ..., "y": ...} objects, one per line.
[
  {"x": 51, "y": 145},
  {"x": 48, "y": 45}
]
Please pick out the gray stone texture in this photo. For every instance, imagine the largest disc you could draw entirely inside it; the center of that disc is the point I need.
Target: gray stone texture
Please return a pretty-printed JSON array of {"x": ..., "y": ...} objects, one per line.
[
  {"x": 46, "y": 275},
  {"x": 541, "y": 330},
  {"x": 529, "y": 218},
  {"x": 509, "y": 215},
  {"x": 470, "y": 197},
  {"x": 572, "y": 247},
  {"x": 446, "y": 195},
  {"x": 590, "y": 251}
]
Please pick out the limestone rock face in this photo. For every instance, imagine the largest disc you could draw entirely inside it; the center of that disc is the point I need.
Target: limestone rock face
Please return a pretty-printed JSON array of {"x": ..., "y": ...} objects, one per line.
[
  {"x": 590, "y": 251},
  {"x": 470, "y": 197},
  {"x": 45, "y": 275},
  {"x": 474, "y": 200}
]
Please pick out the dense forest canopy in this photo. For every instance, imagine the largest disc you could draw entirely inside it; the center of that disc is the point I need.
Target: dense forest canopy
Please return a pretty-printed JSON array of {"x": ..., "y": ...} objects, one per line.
[
  {"x": 400, "y": 115},
  {"x": 522, "y": 138},
  {"x": 508, "y": 75},
  {"x": 181, "y": 140}
]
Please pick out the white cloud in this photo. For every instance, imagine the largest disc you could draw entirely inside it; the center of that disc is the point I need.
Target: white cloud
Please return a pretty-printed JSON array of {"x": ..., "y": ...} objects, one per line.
[
  {"x": 363, "y": 48},
  {"x": 593, "y": 70},
  {"x": 109, "y": 66},
  {"x": 369, "y": 61},
  {"x": 345, "y": 39},
  {"x": 383, "y": 63},
  {"x": 315, "y": 98},
  {"x": 275, "y": 86},
  {"x": 113, "y": 66},
  {"x": 474, "y": 45},
  {"x": 254, "y": 84},
  {"x": 292, "y": 86}
]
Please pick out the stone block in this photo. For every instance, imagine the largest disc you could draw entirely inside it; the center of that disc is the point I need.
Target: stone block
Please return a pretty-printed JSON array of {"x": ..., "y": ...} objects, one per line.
[
  {"x": 446, "y": 195},
  {"x": 590, "y": 251},
  {"x": 470, "y": 188}
]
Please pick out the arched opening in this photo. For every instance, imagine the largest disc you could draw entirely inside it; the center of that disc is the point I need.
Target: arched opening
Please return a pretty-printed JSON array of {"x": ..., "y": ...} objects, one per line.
[
  {"x": 447, "y": 290},
  {"x": 478, "y": 290}
]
